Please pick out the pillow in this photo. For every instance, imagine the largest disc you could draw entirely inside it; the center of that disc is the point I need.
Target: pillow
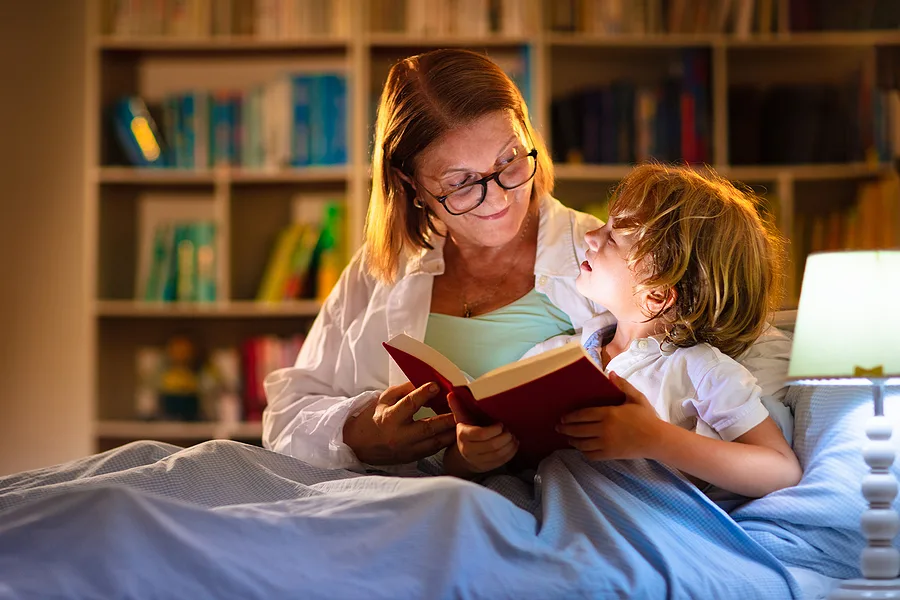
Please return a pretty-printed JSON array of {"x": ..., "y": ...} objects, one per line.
[{"x": 815, "y": 524}]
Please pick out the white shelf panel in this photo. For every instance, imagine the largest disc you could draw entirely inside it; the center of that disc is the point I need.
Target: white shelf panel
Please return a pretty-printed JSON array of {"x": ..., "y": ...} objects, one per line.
[
  {"x": 163, "y": 176},
  {"x": 221, "y": 44},
  {"x": 235, "y": 309},
  {"x": 174, "y": 430}
]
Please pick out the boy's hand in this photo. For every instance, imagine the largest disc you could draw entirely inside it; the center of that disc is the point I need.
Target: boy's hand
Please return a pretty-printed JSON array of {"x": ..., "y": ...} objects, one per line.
[
  {"x": 631, "y": 430},
  {"x": 483, "y": 448}
]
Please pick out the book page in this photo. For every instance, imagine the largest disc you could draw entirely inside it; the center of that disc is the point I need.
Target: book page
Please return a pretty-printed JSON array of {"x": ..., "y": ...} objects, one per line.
[
  {"x": 427, "y": 354},
  {"x": 517, "y": 373}
]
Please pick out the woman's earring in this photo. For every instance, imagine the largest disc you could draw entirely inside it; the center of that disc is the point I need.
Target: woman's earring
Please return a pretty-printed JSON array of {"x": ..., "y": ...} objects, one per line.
[{"x": 417, "y": 203}]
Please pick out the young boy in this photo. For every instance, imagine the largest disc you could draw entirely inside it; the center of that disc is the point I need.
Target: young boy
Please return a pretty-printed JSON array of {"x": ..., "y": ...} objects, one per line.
[{"x": 690, "y": 273}]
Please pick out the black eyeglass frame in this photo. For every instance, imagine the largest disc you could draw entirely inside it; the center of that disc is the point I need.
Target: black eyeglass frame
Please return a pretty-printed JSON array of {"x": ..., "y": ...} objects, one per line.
[{"x": 483, "y": 182}]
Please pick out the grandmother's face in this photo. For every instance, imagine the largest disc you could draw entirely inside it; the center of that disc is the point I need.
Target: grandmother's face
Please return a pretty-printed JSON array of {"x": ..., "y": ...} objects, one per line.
[{"x": 466, "y": 154}]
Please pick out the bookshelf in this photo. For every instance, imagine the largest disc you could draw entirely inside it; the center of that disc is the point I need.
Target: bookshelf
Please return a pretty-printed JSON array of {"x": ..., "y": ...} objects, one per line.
[{"x": 249, "y": 206}]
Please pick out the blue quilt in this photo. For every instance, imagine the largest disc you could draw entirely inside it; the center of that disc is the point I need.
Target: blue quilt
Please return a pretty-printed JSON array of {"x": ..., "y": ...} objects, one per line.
[{"x": 227, "y": 520}]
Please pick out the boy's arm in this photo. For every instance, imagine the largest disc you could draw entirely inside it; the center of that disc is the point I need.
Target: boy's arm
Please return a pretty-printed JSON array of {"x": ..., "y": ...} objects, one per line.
[
  {"x": 757, "y": 462},
  {"x": 754, "y": 464}
]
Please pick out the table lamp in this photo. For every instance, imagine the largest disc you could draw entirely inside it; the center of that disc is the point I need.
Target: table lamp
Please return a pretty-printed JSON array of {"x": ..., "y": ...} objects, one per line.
[{"x": 848, "y": 333}]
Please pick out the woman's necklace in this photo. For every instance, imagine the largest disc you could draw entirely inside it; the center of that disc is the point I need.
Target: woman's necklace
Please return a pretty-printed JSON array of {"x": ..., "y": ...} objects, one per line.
[{"x": 468, "y": 307}]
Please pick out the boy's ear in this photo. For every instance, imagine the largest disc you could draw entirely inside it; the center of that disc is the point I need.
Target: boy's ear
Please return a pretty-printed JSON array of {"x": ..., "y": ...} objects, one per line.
[{"x": 661, "y": 300}]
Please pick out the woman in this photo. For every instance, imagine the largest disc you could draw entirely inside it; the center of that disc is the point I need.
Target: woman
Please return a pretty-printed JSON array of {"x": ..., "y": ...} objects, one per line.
[{"x": 464, "y": 248}]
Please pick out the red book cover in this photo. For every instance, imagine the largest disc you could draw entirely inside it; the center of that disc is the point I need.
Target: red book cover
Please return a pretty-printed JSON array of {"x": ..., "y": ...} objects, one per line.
[{"x": 529, "y": 396}]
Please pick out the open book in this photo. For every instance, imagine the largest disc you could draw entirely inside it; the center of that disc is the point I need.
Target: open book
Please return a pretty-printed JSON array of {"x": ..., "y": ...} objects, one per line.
[{"x": 529, "y": 396}]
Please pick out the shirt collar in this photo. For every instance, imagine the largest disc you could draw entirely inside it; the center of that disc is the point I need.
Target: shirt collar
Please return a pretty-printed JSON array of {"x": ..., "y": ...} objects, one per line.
[{"x": 556, "y": 253}]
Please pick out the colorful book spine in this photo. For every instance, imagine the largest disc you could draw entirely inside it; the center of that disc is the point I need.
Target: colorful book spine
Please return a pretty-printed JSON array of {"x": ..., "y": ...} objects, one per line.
[
  {"x": 137, "y": 133},
  {"x": 301, "y": 143}
]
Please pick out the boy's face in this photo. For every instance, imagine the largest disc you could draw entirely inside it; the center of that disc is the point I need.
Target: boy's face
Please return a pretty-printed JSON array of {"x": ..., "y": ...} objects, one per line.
[{"x": 606, "y": 277}]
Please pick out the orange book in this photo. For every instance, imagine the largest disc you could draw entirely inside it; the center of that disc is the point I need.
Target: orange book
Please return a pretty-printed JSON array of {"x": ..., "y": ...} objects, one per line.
[{"x": 529, "y": 396}]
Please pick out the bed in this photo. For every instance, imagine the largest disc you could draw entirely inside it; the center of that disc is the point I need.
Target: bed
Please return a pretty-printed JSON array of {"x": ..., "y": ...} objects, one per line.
[{"x": 228, "y": 520}]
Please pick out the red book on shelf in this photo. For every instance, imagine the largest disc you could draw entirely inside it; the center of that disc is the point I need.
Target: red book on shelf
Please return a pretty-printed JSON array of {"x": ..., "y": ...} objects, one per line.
[{"x": 529, "y": 396}]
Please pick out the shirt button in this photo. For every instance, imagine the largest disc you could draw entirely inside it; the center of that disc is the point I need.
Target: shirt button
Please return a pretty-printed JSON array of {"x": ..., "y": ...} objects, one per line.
[
  {"x": 542, "y": 280},
  {"x": 642, "y": 345}
]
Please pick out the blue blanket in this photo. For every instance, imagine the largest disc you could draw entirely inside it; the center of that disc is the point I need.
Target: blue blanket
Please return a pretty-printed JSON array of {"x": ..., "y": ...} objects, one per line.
[{"x": 227, "y": 520}]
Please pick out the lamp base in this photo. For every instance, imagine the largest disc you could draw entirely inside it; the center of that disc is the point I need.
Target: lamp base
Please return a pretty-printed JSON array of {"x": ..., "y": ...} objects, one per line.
[{"x": 867, "y": 589}]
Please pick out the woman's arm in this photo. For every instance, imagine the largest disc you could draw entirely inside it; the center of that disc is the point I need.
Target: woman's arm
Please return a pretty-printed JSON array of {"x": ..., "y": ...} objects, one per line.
[
  {"x": 305, "y": 415},
  {"x": 313, "y": 413}
]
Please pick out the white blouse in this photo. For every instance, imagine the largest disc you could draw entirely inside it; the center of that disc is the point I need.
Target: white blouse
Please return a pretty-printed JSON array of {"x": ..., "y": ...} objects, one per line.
[{"x": 342, "y": 366}]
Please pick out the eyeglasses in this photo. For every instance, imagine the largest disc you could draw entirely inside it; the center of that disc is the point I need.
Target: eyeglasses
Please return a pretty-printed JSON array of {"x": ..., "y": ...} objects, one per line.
[{"x": 513, "y": 174}]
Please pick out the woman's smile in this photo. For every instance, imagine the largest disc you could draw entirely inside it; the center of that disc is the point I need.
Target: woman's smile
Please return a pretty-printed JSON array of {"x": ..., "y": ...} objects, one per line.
[{"x": 496, "y": 215}]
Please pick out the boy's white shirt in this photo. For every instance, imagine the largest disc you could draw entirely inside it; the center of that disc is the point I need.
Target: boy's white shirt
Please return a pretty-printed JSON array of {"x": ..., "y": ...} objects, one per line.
[
  {"x": 697, "y": 388},
  {"x": 342, "y": 366}
]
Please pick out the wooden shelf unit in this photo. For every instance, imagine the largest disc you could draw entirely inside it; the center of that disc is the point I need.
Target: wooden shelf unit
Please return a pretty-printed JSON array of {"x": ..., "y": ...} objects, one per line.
[{"x": 249, "y": 205}]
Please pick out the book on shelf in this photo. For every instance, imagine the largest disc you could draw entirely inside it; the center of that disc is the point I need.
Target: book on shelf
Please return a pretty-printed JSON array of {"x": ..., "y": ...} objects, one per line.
[
  {"x": 464, "y": 18},
  {"x": 870, "y": 222},
  {"x": 308, "y": 254},
  {"x": 198, "y": 19},
  {"x": 741, "y": 18},
  {"x": 136, "y": 132},
  {"x": 295, "y": 120},
  {"x": 260, "y": 356},
  {"x": 177, "y": 249},
  {"x": 812, "y": 123},
  {"x": 623, "y": 122},
  {"x": 529, "y": 396}
]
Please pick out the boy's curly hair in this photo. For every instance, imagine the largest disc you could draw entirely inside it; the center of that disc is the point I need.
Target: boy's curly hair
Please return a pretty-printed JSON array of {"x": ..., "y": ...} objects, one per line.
[{"x": 706, "y": 239}]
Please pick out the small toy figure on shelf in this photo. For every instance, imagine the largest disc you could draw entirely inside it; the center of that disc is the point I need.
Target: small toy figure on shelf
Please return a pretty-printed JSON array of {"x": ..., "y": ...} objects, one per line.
[
  {"x": 179, "y": 383},
  {"x": 221, "y": 388},
  {"x": 148, "y": 367}
]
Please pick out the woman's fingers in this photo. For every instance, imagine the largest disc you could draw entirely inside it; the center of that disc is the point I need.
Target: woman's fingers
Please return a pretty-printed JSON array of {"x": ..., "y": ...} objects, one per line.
[
  {"x": 430, "y": 427},
  {"x": 431, "y": 445},
  {"x": 405, "y": 407}
]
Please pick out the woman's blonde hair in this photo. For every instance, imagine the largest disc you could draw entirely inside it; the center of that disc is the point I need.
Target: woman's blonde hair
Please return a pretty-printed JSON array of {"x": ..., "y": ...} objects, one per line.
[
  {"x": 424, "y": 97},
  {"x": 699, "y": 235}
]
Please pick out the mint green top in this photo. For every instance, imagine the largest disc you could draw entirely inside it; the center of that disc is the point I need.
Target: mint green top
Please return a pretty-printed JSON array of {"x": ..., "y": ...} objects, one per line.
[{"x": 484, "y": 342}]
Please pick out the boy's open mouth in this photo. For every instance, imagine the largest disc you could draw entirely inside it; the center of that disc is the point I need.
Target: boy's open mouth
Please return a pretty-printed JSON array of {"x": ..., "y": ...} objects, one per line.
[{"x": 585, "y": 266}]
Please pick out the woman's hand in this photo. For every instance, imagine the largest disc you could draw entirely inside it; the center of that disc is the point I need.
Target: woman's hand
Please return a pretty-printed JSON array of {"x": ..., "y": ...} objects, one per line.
[
  {"x": 630, "y": 430},
  {"x": 477, "y": 449},
  {"x": 386, "y": 434}
]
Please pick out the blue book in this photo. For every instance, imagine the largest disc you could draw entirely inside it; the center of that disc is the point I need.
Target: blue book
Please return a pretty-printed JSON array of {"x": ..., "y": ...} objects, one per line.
[
  {"x": 203, "y": 234},
  {"x": 137, "y": 133},
  {"x": 188, "y": 131},
  {"x": 336, "y": 119},
  {"x": 171, "y": 123},
  {"x": 185, "y": 258},
  {"x": 160, "y": 263},
  {"x": 301, "y": 143},
  {"x": 221, "y": 130},
  {"x": 318, "y": 126},
  {"x": 237, "y": 124}
]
